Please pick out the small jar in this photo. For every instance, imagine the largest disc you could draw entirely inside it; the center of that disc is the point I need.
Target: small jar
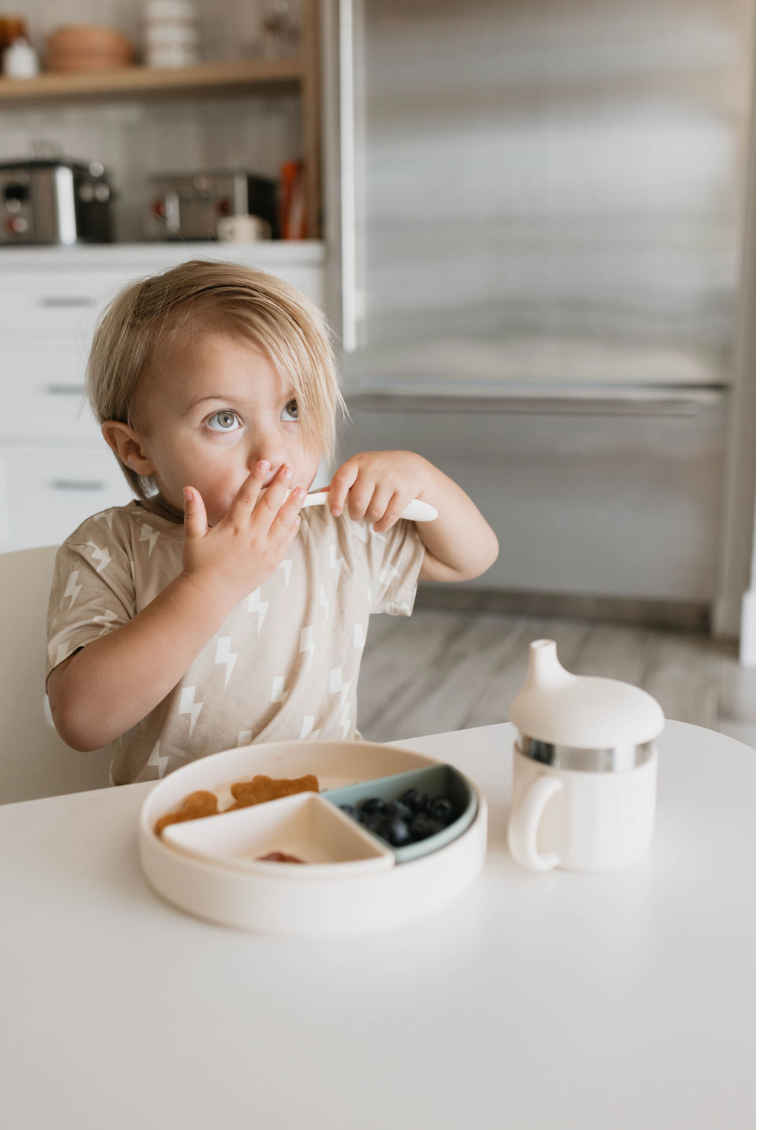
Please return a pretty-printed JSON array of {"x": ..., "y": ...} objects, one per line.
[{"x": 20, "y": 60}]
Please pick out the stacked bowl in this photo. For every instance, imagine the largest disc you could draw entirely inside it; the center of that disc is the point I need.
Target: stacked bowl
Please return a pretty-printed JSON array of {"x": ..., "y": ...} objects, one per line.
[
  {"x": 86, "y": 47},
  {"x": 171, "y": 34}
]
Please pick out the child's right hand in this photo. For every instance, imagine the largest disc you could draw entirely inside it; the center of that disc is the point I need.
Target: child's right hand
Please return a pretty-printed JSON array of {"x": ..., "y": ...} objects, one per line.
[{"x": 231, "y": 559}]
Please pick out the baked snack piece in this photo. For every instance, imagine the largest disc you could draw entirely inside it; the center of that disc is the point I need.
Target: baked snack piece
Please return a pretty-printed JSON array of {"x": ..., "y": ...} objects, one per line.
[
  {"x": 279, "y": 857},
  {"x": 194, "y": 807},
  {"x": 260, "y": 789},
  {"x": 263, "y": 788}
]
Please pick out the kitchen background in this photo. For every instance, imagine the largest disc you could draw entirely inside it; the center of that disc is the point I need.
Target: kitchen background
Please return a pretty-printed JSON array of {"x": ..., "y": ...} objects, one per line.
[
  {"x": 532, "y": 228},
  {"x": 137, "y": 138}
]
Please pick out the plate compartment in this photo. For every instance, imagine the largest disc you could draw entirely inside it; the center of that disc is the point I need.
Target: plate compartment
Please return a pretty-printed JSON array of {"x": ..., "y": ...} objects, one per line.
[
  {"x": 305, "y": 825},
  {"x": 435, "y": 780}
]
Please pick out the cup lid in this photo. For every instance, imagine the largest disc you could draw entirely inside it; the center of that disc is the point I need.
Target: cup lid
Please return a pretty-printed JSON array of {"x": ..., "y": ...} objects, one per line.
[{"x": 556, "y": 706}]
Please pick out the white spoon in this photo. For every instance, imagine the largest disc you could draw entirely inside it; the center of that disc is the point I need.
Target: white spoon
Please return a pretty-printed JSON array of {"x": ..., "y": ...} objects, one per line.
[{"x": 416, "y": 511}]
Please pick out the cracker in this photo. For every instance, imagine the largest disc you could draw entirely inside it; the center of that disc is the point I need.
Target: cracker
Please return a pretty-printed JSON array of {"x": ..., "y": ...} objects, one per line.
[
  {"x": 194, "y": 807},
  {"x": 263, "y": 788}
]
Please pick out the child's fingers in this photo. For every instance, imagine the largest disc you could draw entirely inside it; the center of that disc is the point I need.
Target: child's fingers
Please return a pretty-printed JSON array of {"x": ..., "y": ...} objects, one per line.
[
  {"x": 196, "y": 522},
  {"x": 359, "y": 498},
  {"x": 378, "y": 503},
  {"x": 395, "y": 508},
  {"x": 274, "y": 496},
  {"x": 246, "y": 498},
  {"x": 341, "y": 483},
  {"x": 288, "y": 512},
  {"x": 290, "y": 534}
]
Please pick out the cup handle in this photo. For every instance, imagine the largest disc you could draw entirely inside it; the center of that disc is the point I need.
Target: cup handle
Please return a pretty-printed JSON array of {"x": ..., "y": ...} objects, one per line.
[{"x": 522, "y": 833}]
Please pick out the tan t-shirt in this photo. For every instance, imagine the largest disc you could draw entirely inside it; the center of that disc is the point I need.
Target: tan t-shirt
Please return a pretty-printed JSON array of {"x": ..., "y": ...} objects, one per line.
[{"x": 285, "y": 663}]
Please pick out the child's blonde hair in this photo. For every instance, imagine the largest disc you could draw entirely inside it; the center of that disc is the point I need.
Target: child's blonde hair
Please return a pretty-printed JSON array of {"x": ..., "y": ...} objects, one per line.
[{"x": 226, "y": 297}]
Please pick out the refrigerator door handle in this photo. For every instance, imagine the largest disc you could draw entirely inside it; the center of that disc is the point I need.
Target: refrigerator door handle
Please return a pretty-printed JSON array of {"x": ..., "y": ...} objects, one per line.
[
  {"x": 347, "y": 174},
  {"x": 671, "y": 403}
]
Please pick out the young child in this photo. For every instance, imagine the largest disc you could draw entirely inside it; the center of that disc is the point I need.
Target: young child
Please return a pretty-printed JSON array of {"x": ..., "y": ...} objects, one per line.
[{"x": 211, "y": 612}]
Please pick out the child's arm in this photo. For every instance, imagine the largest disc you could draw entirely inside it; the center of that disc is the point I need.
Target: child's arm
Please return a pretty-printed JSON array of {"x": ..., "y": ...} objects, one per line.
[
  {"x": 112, "y": 683},
  {"x": 378, "y": 485}
]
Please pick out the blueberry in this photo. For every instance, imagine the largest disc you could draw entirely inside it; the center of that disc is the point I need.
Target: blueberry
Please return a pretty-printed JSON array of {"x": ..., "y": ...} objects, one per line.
[
  {"x": 394, "y": 831},
  {"x": 441, "y": 808},
  {"x": 416, "y": 799},
  {"x": 373, "y": 805},
  {"x": 371, "y": 820},
  {"x": 399, "y": 809},
  {"x": 422, "y": 827},
  {"x": 350, "y": 810}
]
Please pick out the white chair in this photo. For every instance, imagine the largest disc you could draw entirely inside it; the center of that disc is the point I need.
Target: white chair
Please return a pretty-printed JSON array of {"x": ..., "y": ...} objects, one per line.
[{"x": 34, "y": 761}]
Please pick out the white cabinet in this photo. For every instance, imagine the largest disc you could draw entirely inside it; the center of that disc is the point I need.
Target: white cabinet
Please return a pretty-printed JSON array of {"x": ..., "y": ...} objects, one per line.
[
  {"x": 54, "y": 301},
  {"x": 50, "y": 492},
  {"x": 42, "y": 391},
  {"x": 55, "y": 467}
]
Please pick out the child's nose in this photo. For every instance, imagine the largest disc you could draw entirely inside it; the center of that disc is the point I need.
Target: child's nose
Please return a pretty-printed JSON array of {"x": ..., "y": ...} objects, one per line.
[{"x": 271, "y": 450}]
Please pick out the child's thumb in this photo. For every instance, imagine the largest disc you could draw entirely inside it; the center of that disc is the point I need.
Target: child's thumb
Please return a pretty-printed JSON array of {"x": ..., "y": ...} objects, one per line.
[{"x": 195, "y": 513}]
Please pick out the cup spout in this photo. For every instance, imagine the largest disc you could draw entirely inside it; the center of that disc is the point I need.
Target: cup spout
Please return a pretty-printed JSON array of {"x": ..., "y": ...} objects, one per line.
[{"x": 545, "y": 672}]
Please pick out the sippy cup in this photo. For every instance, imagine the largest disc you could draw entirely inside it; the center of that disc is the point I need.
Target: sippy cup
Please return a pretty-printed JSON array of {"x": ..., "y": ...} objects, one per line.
[{"x": 585, "y": 768}]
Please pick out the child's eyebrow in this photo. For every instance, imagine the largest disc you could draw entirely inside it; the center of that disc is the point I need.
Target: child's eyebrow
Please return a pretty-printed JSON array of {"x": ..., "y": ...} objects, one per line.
[{"x": 211, "y": 396}]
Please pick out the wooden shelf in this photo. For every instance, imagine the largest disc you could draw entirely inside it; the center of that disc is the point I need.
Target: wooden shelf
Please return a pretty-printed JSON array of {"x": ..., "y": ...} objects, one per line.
[
  {"x": 241, "y": 76},
  {"x": 138, "y": 82}
]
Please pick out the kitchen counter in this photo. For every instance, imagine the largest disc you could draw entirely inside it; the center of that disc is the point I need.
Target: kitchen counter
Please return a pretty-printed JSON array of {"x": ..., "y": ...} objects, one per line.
[{"x": 150, "y": 256}]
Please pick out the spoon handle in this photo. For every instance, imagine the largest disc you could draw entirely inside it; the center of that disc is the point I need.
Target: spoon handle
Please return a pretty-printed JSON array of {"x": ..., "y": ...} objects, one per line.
[{"x": 416, "y": 511}]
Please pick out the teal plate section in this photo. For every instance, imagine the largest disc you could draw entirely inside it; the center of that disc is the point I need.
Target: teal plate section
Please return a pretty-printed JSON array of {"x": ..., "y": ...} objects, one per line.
[{"x": 436, "y": 780}]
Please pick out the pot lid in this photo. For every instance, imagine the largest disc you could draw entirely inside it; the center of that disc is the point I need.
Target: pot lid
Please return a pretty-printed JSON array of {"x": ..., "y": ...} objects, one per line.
[{"x": 578, "y": 710}]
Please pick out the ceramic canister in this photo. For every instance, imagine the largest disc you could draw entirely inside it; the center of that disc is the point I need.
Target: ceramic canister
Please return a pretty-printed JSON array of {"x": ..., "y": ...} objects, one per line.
[{"x": 585, "y": 768}]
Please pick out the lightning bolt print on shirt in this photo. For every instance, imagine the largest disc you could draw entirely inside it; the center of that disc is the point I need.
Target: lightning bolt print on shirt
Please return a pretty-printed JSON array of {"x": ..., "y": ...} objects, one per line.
[{"x": 285, "y": 663}]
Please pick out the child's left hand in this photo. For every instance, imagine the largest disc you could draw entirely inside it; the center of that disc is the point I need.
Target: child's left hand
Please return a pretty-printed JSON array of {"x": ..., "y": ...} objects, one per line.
[{"x": 379, "y": 485}]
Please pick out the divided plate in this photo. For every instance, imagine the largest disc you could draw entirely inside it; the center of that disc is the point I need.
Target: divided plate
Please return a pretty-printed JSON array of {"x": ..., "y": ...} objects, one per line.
[{"x": 205, "y": 866}]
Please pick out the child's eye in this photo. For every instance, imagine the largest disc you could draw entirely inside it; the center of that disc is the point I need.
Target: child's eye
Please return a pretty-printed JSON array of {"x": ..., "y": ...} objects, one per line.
[
  {"x": 290, "y": 411},
  {"x": 224, "y": 421}
]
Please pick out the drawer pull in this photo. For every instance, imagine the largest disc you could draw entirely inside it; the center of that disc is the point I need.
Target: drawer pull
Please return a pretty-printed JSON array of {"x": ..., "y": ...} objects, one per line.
[
  {"x": 64, "y": 390},
  {"x": 55, "y": 300},
  {"x": 79, "y": 484}
]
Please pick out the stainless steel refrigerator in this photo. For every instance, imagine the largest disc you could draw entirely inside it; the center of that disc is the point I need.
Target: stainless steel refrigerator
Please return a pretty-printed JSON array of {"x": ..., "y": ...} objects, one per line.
[{"x": 535, "y": 220}]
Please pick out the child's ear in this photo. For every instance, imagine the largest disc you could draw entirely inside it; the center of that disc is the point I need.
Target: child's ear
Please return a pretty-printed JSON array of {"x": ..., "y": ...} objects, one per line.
[{"x": 128, "y": 446}]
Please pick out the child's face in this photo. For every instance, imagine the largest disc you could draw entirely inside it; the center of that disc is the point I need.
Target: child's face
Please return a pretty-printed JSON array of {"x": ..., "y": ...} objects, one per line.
[{"x": 210, "y": 409}]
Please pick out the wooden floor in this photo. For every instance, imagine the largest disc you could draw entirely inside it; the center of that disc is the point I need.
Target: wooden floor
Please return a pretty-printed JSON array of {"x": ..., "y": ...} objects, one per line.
[{"x": 441, "y": 670}]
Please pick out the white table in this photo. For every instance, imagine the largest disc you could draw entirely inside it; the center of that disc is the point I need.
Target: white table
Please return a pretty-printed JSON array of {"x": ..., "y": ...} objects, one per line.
[{"x": 539, "y": 1002}]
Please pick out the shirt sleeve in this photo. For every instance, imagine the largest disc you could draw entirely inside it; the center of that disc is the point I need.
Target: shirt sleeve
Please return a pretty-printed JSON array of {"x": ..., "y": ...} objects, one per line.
[
  {"x": 395, "y": 560},
  {"x": 92, "y": 593}
]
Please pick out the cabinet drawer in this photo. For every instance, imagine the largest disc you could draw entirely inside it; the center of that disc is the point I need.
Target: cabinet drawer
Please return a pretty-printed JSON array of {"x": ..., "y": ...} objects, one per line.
[
  {"x": 71, "y": 300},
  {"x": 49, "y": 493},
  {"x": 67, "y": 302},
  {"x": 42, "y": 392}
]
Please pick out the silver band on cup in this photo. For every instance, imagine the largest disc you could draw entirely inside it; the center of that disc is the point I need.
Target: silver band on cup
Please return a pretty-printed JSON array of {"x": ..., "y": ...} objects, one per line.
[{"x": 617, "y": 759}]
